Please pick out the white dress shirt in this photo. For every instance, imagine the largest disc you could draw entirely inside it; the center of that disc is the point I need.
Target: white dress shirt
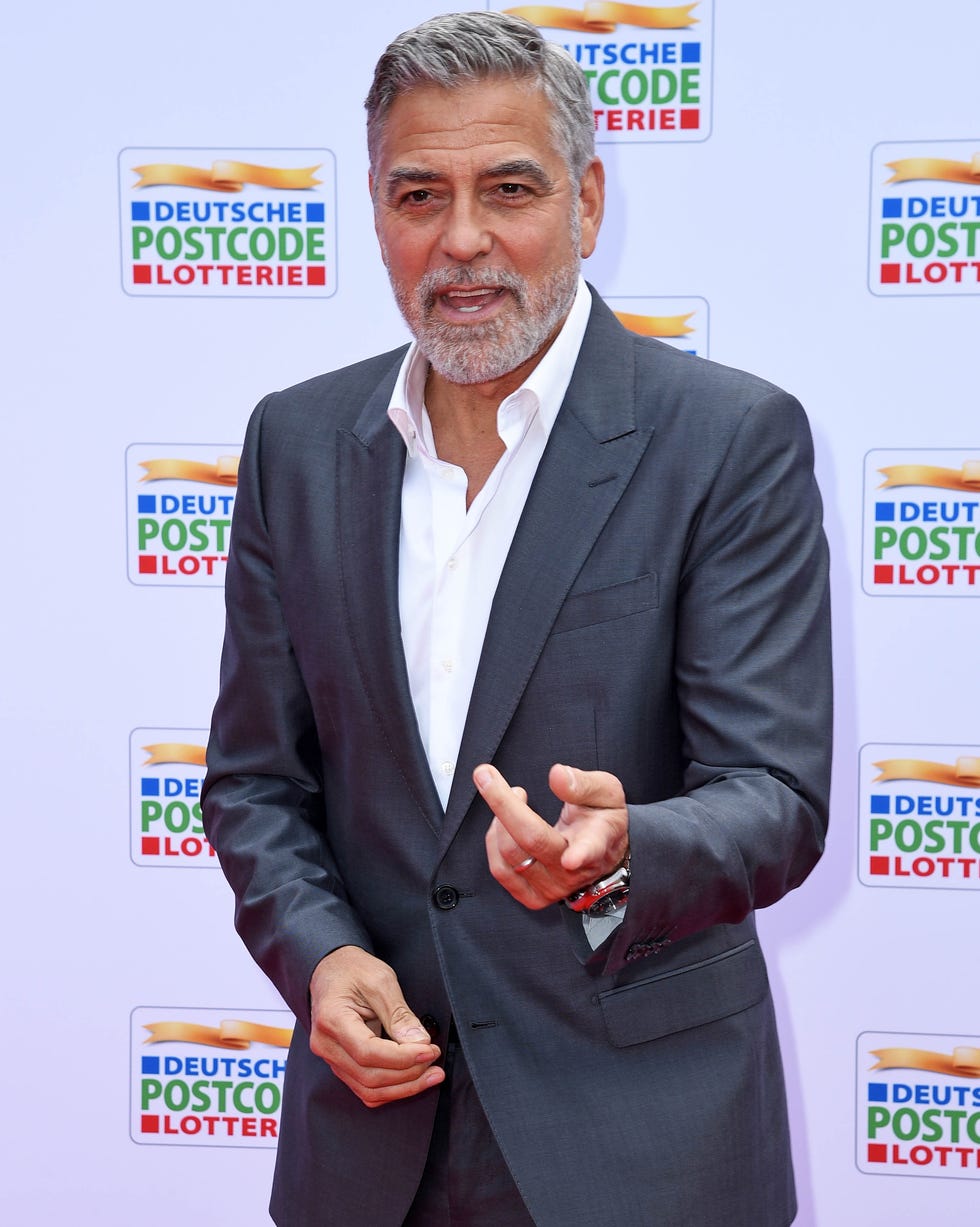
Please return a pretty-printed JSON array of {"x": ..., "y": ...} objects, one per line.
[{"x": 450, "y": 557}]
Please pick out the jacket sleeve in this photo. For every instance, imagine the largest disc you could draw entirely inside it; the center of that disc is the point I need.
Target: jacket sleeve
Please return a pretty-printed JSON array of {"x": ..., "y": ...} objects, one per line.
[
  {"x": 753, "y": 677},
  {"x": 263, "y": 803}
]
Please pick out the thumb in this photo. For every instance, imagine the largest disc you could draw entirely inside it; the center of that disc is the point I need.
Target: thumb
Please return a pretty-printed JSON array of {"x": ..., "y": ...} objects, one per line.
[
  {"x": 402, "y": 1025},
  {"x": 594, "y": 789}
]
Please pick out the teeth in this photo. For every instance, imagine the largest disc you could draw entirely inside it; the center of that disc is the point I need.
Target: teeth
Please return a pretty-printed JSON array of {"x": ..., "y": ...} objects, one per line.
[{"x": 455, "y": 297}]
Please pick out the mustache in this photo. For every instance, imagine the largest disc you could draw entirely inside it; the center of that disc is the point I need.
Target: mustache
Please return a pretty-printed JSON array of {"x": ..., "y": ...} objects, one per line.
[{"x": 431, "y": 284}]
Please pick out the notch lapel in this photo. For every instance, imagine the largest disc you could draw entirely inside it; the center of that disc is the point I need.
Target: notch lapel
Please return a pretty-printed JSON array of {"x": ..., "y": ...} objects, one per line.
[
  {"x": 370, "y": 466},
  {"x": 593, "y": 451}
]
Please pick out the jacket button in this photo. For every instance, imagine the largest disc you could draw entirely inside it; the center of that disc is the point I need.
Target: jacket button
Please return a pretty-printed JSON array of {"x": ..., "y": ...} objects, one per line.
[
  {"x": 445, "y": 897},
  {"x": 431, "y": 1024}
]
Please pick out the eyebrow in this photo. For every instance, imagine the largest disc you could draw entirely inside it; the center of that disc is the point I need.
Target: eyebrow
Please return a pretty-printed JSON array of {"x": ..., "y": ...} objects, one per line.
[
  {"x": 408, "y": 174},
  {"x": 523, "y": 168}
]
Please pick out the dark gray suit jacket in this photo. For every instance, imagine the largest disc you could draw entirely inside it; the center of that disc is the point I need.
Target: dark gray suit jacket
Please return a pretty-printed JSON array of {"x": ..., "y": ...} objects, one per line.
[{"x": 662, "y": 615}]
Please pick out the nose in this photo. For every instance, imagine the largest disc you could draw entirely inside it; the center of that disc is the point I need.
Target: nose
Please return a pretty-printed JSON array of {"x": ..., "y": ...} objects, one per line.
[{"x": 466, "y": 233}]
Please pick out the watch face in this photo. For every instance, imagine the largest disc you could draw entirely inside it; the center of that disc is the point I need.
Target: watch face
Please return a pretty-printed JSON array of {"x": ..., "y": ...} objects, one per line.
[
  {"x": 593, "y": 899},
  {"x": 610, "y": 902}
]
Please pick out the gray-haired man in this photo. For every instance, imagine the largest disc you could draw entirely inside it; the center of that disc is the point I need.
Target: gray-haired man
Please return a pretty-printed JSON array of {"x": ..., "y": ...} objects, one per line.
[{"x": 524, "y": 706}]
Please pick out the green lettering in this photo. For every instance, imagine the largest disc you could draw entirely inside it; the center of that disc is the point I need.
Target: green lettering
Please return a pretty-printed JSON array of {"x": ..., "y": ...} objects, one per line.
[
  {"x": 150, "y": 1089},
  {"x": 891, "y": 235},
  {"x": 146, "y": 530},
  {"x": 150, "y": 811},
  {"x": 142, "y": 237},
  {"x": 663, "y": 86},
  {"x": 885, "y": 538}
]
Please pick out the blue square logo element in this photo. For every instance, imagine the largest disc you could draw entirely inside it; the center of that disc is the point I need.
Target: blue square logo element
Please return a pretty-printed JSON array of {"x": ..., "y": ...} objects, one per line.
[
  {"x": 140, "y": 210},
  {"x": 891, "y": 206},
  {"x": 690, "y": 53},
  {"x": 149, "y": 787},
  {"x": 881, "y": 804},
  {"x": 314, "y": 213},
  {"x": 150, "y": 1065},
  {"x": 146, "y": 504},
  {"x": 885, "y": 511},
  {"x": 877, "y": 1092}
]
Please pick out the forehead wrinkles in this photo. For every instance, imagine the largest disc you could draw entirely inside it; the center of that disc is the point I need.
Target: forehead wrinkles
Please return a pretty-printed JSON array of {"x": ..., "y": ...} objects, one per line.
[{"x": 432, "y": 123}]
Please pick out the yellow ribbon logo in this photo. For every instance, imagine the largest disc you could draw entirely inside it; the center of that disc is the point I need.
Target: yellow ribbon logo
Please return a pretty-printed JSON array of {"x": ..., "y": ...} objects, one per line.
[
  {"x": 966, "y": 479},
  {"x": 656, "y": 325},
  {"x": 906, "y": 169},
  {"x": 601, "y": 17},
  {"x": 174, "y": 752},
  {"x": 223, "y": 473},
  {"x": 964, "y": 1063},
  {"x": 225, "y": 176},
  {"x": 232, "y": 1033},
  {"x": 965, "y": 773}
]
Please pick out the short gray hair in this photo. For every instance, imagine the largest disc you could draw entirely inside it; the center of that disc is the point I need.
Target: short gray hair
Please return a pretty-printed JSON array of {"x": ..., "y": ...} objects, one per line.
[{"x": 464, "y": 48}]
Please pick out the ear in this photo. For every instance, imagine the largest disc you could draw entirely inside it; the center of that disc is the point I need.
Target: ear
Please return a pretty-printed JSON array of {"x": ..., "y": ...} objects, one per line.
[{"x": 591, "y": 202}]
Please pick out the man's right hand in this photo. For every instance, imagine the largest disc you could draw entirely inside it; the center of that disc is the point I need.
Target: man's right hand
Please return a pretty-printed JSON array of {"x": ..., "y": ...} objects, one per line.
[{"x": 362, "y": 1027}]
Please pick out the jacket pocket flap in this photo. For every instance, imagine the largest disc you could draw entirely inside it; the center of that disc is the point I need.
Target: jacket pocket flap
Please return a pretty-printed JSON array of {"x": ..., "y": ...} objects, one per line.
[
  {"x": 685, "y": 997},
  {"x": 605, "y": 604}
]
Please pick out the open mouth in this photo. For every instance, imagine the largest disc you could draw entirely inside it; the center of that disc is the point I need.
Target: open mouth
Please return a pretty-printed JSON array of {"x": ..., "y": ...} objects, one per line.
[{"x": 471, "y": 301}]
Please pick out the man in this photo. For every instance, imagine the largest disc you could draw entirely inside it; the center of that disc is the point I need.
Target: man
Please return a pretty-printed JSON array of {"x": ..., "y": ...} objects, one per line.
[{"x": 533, "y": 609}]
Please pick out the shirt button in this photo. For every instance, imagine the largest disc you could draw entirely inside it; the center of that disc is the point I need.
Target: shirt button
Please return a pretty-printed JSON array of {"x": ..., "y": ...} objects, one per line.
[
  {"x": 447, "y": 768},
  {"x": 445, "y": 897},
  {"x": 447, "y": 666},
  {"x": 452, "y": 564}
]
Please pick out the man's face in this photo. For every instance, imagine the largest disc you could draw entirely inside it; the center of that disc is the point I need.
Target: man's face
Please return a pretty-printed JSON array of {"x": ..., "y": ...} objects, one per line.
[{"x": 480, "y": 226}]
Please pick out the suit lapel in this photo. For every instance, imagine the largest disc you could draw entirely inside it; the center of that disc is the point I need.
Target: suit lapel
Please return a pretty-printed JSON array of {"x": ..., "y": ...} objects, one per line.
[
  {"x": 370, "y": 466},
  {"x": 592, "y": 453}
]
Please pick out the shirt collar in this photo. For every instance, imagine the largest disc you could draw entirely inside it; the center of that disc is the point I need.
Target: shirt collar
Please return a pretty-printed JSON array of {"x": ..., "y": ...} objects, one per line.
[{"x": 543, "y": 390}]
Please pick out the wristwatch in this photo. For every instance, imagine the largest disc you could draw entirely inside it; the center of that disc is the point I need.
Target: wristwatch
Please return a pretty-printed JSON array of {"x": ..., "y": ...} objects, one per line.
[{"x": 604, "y": 896}]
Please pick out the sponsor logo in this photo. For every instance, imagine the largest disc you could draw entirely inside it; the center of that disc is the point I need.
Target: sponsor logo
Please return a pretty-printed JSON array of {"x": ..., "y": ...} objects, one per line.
[
  {"x": 918, "y": 1105},
  {"x": 207, "y": 1077},
  {"x": 919, "y": 820},
  {"x": 166, "y": 768},
  {"x": 922, "y": 523},
  {"x": 925, "y": 218},
  {"x": 253, "y": 223},
  {"x": 681, "y": 322},
  {"x": 179, "y": 500},
  {"x": 649, "y": 68}
]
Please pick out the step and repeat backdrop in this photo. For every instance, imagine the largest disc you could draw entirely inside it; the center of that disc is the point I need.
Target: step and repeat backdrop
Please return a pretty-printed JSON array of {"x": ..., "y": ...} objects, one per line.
[{"x": 793, "y": 189}]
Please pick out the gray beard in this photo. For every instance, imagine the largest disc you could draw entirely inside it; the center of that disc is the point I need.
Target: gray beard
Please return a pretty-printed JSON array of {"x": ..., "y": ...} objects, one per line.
[{"x": 481, "y": 353}]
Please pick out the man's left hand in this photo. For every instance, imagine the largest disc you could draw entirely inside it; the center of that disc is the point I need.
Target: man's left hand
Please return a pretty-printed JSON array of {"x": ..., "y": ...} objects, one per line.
[{"x": 538, "y": 863}]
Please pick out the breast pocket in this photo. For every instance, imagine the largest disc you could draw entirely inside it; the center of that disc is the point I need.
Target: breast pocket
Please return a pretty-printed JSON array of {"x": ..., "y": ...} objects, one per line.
[
  {"x": 608, "y": 603},
  {"x": 685, "y": 997}
]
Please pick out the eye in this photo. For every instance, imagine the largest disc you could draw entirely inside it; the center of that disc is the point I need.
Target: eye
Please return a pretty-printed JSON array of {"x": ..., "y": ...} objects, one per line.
[
  {"x": 512, "y": 189},
  {"x": 419, "y": 196}
]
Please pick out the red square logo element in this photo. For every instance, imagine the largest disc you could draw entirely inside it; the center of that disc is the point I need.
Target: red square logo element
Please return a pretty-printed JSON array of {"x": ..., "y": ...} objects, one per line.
[
  {"x": 877, "y": 1153},
  {"x": 148, "y": 564},
  {"x": 149, "y": 1124},
  {"x": 877, "y": 864},
  {"x": 150, "y": 845},
  {"x": 316, "y": 275},
  {"x": 891, "y": 274},
  {"x": 141, "y": 274},
  {"x": 884, "y": 574},
  {"x": 690, "y": 118}
]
